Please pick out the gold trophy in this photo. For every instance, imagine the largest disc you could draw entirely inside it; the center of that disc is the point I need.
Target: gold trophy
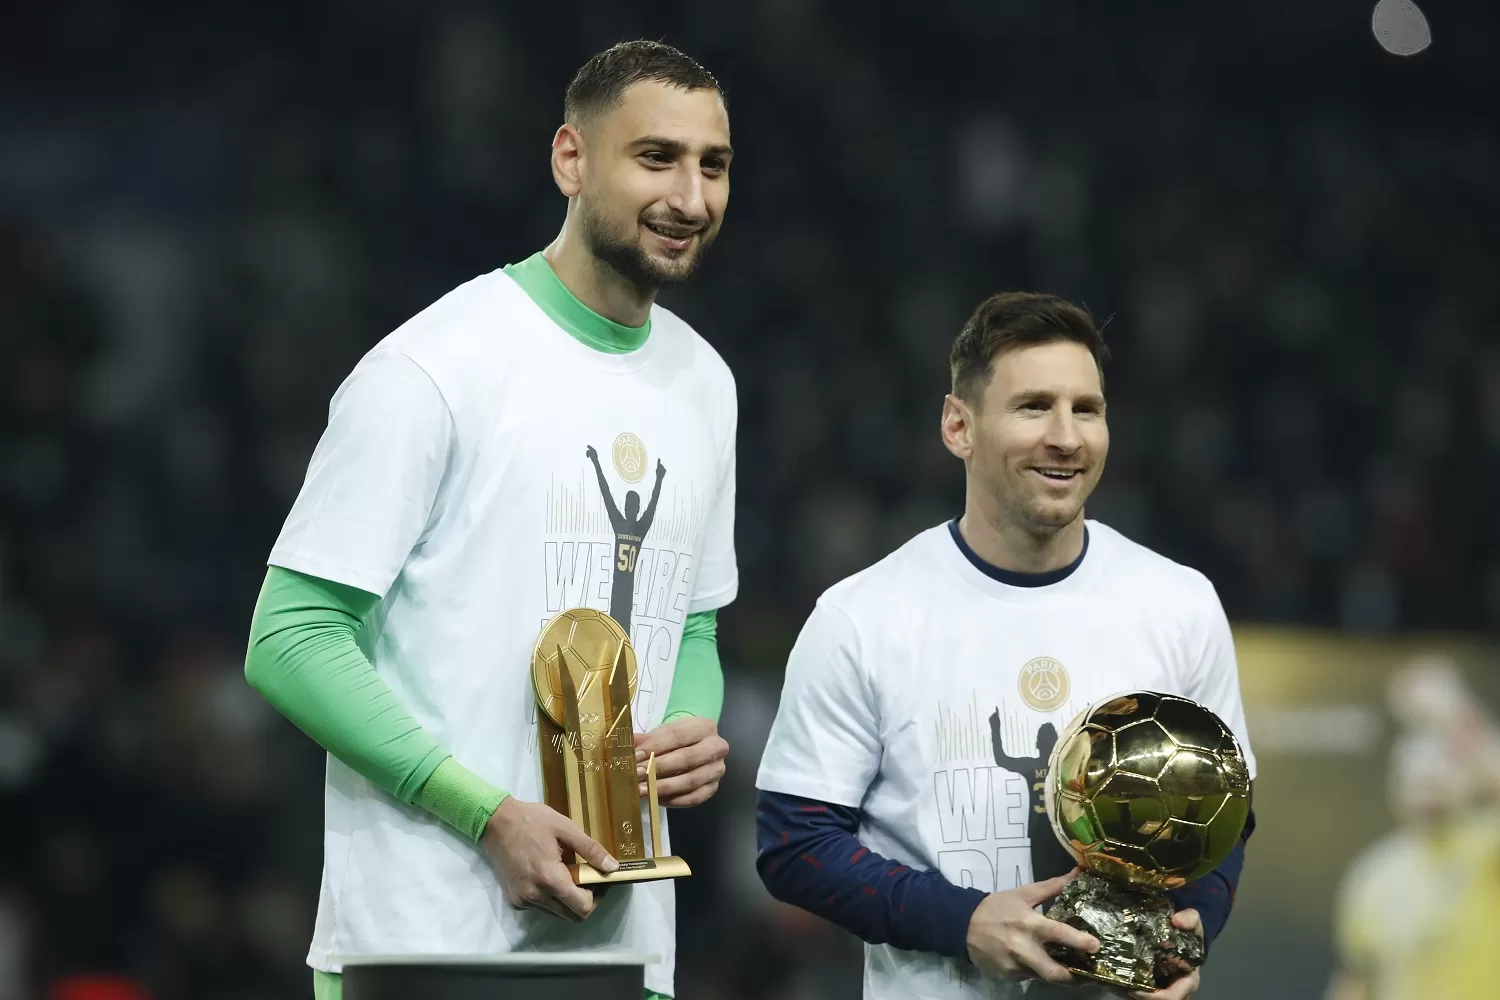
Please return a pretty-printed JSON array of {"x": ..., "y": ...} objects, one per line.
[
  {"x": 1147, "y": 791},
  {"x": 584, "y": 673}
]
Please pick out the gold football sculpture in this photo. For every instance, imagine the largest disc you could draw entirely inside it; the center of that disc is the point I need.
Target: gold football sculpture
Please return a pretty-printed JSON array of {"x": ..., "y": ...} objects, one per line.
[{"x": 1148, "y": 792}]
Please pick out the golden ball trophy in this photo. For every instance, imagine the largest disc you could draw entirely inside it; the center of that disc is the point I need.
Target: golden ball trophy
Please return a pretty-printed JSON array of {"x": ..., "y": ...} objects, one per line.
[
  {"x": 583, "y": 671},
  {"x": 1148, "y": 792}
]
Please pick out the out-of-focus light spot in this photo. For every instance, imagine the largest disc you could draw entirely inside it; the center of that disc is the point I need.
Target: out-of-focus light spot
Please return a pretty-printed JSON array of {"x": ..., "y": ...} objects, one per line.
[
  {"x": 1315, "y": 729},
  {"x": 1400, "y": 27}
]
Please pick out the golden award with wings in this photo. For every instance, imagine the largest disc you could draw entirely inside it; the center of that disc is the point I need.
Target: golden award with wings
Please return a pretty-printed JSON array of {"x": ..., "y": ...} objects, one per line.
[{"x": 584, "y": 673}]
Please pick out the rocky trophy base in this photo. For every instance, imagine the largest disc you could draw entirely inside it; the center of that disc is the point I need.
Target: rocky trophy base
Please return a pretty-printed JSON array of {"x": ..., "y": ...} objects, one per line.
[{"x": 1131, "y": 926}]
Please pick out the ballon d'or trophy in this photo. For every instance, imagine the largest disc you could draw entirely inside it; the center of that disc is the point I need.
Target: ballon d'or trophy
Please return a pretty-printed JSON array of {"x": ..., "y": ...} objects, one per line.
[
  {"x": 1148, "y": 792},
  {"x": 584, "y": 673}
]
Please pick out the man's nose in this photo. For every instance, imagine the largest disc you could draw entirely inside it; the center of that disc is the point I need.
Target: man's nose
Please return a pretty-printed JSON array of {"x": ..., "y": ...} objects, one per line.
[
  {"x": 687, "y": 198},
  {"x": 1062, "y": 432}
]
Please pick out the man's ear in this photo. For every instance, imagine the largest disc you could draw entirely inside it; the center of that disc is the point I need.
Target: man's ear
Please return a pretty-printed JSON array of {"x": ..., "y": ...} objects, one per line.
[
  {"x": 958, "y": 426},
  {"x": 567, "y": 160}
]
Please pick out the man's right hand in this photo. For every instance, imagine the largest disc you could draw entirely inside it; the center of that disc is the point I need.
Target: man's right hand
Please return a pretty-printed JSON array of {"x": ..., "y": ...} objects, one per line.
[
  {"x": 590, "y": 453},
  {"x": 527, "y": 843},
  {"x": 1007, "y": 936}
]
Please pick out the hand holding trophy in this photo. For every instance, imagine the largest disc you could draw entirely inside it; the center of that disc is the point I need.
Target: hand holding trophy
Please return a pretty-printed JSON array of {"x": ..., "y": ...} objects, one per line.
[
  {"x": 1148, "y": 792},
  {"x": 583, "y": 671}
]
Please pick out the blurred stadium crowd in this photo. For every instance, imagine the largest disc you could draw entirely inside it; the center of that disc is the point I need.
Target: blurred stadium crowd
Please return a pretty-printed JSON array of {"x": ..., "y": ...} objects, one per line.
[{"x": 208, "y": 213}]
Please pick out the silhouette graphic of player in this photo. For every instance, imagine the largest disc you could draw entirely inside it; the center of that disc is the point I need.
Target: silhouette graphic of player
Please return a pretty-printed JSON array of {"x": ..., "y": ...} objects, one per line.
[
  {"x": 1048, "y": 857},
  {"x": 630, "y": 531}
]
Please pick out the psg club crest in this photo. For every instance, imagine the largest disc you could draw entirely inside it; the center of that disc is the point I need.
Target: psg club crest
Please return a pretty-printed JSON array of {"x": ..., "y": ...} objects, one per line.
[
  {"x": 629, "y": 454},
  {"x": 1044, "y": 684}
]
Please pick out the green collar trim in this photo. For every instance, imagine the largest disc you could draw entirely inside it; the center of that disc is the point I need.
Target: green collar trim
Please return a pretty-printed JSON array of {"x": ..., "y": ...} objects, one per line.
[{"x": 584, "y": 325}]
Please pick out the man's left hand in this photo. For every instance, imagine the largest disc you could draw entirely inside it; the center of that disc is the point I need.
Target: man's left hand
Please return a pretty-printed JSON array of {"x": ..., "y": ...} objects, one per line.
[
  {"x": 1186, "y": 983},
  {"x": 689, "y": 760}
]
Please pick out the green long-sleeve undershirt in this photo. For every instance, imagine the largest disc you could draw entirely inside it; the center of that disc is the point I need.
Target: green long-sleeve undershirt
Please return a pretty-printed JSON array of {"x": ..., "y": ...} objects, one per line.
[{"x": 303, "y": 657}]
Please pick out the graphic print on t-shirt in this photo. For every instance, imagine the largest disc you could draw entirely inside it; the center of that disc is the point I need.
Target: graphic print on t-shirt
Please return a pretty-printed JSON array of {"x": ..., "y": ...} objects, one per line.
[
  {"x": 602, "y": 550},
  {"x": 988, "y": 800},
  {"x": 630, "y": 531},
  {"x": 1048, "y": 856}
]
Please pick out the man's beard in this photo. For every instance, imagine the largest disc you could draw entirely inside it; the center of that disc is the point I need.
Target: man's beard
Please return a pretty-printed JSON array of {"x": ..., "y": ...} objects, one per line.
[
  {"x": 627, "y": 258},
  {"x": 1032, "y": 514}
]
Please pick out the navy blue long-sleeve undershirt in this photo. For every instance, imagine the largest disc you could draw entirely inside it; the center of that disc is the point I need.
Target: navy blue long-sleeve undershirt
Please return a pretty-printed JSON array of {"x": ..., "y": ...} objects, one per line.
[{"x": 809, "y": 855}]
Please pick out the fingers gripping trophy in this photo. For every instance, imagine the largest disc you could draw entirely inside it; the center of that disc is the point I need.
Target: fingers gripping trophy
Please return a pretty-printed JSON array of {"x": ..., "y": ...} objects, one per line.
[
  {"x": 583, "y": 671},
  {"x": 1148, "y": 792}
]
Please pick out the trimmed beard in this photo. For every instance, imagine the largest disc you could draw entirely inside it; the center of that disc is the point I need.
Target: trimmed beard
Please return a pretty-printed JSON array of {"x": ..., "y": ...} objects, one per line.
[{"x": 626, "y": 257}]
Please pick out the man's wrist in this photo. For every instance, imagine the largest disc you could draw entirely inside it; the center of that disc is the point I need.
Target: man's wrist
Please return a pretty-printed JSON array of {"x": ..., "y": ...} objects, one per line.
[
  {"x": 461, "y": 798},
  {"x": 954, "y": 928}
]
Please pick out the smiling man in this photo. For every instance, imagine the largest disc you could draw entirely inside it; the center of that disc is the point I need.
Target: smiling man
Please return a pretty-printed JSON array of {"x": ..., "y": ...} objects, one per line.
[
  {"x": 468, "y": 488},
  {"x": 887, "y": 805}
]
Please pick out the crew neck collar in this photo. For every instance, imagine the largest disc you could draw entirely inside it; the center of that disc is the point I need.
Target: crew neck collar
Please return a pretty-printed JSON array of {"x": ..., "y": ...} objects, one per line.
[
  {"x": 1025, "y": 588},
  {"x": 546, "y": 289},
  {"x": 1015, "y": 578}
]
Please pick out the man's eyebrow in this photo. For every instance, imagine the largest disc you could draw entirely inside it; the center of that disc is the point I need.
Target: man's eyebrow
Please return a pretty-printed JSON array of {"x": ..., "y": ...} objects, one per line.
[
  {"x": 676, "y": 147},
  {"x": 1029, "y": 395},
  {"x": 1047, "y": 395}
]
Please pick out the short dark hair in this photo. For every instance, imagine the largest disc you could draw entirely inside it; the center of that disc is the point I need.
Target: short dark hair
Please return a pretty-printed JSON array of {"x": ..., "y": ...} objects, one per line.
[
  {"x": 600, "y": 84},
  {"x": 1018, "y": 319}
]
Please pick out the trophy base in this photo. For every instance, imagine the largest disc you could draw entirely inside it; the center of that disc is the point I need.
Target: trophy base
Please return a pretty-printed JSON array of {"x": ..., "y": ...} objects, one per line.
[
  {"x": 647, "y": 870},
  {"x": 1101, "y": 976},
  {"x": 1131, "y": 925}
]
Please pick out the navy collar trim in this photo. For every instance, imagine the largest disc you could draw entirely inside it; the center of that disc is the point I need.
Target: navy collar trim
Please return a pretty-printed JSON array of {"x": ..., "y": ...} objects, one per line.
[{"x": 1009, "y": 576}]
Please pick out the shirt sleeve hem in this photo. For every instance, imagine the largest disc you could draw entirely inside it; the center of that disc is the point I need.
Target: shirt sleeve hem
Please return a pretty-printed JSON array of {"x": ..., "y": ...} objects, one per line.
[
  {"x": 715, "y": 599},
  {"x": 798, "y": 785},
  {"x": 324, "y": 569}
]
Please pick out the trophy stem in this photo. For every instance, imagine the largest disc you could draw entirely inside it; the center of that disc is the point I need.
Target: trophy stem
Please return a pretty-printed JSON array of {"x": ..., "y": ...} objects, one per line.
[
  {"x": 620, "y": 833},
  {"x": 574, "y": 779},
  {"x": 652, "y": 805},
  {"x": 576, "y": 805}
]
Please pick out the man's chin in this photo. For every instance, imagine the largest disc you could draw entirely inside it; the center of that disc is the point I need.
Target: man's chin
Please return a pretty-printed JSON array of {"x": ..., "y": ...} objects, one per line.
[
  {"x": 1052, "y": 518},
  {"x": 641, "y": 267},
  {"x": 673, "y": 270}
]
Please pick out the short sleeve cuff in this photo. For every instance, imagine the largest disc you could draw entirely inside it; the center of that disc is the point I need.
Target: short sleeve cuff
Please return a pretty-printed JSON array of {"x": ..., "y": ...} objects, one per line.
[
  {"x": 810, "y": 787},
  {"x": 715, "y": 599},
  {"x": 370, "y": 581}
]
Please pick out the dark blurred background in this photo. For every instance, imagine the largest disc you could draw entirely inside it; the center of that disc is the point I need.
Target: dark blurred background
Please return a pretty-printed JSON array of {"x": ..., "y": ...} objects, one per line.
[{"x": 208, "y": 212}]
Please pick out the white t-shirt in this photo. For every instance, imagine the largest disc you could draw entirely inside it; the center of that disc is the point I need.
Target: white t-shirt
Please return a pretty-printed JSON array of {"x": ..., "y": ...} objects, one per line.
[
  {"x": 453, "y": 480},
  {"x": 892, "y": 685}
]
